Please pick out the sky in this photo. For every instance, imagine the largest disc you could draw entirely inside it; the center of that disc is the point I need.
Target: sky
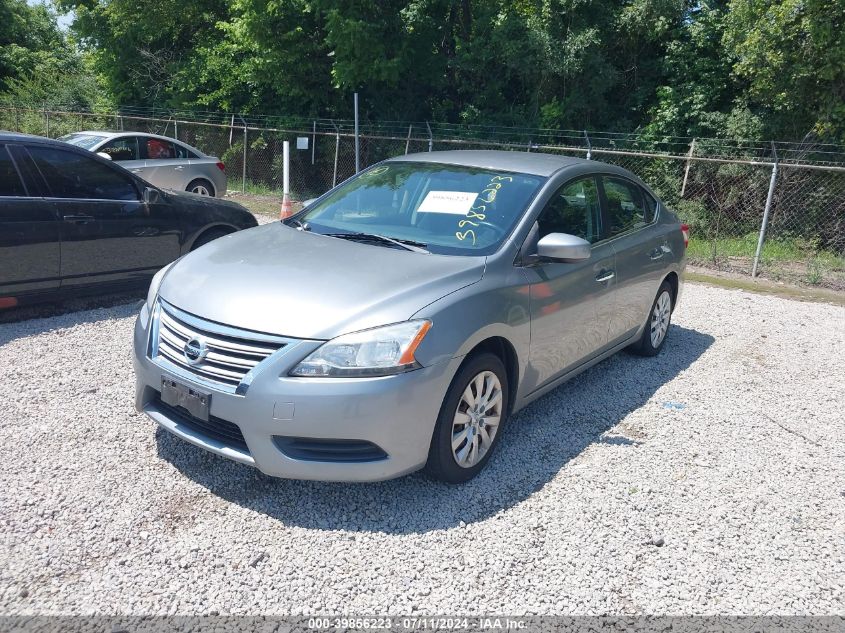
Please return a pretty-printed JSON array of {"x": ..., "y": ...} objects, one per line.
[{"x": 64, "y": 20}]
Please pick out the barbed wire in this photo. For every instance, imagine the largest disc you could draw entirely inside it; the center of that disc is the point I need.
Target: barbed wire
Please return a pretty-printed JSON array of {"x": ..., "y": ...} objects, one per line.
[{"x": 808, "y": 151}]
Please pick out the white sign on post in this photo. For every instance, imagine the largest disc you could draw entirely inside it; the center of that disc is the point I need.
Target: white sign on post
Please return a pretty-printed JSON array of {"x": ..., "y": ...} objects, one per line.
[{"x": 301, "y": 142}]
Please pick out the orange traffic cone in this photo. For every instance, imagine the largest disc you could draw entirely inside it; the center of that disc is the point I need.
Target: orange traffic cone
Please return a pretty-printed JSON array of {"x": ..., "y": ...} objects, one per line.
[{"x": 287, "y": 207}]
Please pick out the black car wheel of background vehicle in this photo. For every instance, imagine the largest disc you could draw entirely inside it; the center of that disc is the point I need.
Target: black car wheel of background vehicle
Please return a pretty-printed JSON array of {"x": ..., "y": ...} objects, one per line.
[
  {"x": 209, "y": 236},
  {"x": 201, "y": 186},
  {"x": 470, "y": 421},
  {"x": 657, "y": 326}
]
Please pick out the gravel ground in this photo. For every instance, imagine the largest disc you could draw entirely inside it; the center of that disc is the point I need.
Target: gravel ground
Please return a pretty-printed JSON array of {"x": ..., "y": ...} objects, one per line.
[{"x": 708, "y": 480}]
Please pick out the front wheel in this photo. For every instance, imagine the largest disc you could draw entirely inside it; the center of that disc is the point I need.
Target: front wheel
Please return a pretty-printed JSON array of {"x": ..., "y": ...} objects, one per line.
[
  {"x": 470, "y": 421},
  {"x": 657, "y": 326}
]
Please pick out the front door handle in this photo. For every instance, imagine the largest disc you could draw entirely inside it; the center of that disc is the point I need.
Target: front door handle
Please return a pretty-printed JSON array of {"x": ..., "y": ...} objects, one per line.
[
  {"x": 605, "y": 275},
  {"x": 179, "y": 167},
  {"x": 78, "y": 219}
]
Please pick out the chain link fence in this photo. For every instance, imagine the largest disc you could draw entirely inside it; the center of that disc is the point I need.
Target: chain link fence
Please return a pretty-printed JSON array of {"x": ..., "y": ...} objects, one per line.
[{"x": 770, "y": 209}]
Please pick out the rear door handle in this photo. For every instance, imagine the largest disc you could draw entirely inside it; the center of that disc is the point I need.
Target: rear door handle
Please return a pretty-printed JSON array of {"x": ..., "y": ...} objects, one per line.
[
  {"x": 179, "y": 167},
  {"x": 657, "y": 253},
  {"x": 78, "y": 219},
  {"x": 605, "y": 275}
]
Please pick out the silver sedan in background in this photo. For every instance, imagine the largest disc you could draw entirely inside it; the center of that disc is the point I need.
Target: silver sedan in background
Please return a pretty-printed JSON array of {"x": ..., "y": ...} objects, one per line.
[
  {"x": 399, "y": 320},
  {"x": 160, "y": 160}
]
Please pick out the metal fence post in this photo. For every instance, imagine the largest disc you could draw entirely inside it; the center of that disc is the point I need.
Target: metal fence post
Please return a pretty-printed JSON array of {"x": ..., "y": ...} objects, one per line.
[
  {"x": 589, "y": 146},
  {"x": 243, "y": 176},
  {"x": 336, "y": 152},
  {"x": 46, "y": 121},
  {"x": 430, "y": 137},
  {"x": 313, "y": 142},
  {"x": 176, "y": 129},
  {"x": 408, "y": 140},
  {"x": 765, "y": 223},
  {"x": 686, "y": 169},
  {"x": 357, "y": 146}
]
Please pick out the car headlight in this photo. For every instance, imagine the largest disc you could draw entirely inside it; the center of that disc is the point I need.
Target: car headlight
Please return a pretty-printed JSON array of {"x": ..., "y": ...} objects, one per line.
[
  {"x": 382, "y": 351},
  {"x": 155, "y": 283}
]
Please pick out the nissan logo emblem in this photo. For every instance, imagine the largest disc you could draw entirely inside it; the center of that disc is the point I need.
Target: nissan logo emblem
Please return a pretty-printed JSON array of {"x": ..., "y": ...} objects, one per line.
[{"x": 195, "y": 351}]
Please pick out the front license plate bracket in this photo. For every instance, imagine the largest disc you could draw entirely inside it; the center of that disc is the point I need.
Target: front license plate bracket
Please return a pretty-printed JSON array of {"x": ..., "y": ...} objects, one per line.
[{"x": 195, "y": 402}]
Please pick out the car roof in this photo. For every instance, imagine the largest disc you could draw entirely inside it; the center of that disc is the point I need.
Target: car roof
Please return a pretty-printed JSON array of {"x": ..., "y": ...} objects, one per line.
[
  {"x": 522, "y": 162},
  {"x": 534, "y": 163},
  {"x": 110, "y": 134}
]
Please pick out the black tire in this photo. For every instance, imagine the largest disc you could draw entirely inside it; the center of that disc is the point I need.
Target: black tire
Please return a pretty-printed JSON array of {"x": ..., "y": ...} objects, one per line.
[
  {"x": 442, "y": 463},
  {"x": 201, "y": 183},
  {"x": 646, "y": 346},
  {"x": 208, "y": 236}
]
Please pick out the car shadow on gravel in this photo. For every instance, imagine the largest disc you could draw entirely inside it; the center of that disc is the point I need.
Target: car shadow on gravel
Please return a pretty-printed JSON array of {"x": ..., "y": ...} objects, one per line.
[
  {"x": 37, "y": 319},
  {"x": 538, "y": 442}
]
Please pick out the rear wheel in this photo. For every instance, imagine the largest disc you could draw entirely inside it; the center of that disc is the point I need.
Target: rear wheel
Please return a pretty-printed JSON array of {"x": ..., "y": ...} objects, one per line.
[
  {"x": 470, "y": 421},
  {"x": 657, "y": 326},
  {"x": 201, "y": 186}
]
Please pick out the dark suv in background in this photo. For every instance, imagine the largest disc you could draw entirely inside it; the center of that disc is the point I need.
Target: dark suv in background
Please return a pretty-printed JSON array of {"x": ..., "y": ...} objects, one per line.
[{"x": 72, "y": 222}]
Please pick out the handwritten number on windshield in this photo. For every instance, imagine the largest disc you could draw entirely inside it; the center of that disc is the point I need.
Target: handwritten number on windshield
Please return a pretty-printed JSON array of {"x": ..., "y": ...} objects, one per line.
[{"x": 487, "y": 195}]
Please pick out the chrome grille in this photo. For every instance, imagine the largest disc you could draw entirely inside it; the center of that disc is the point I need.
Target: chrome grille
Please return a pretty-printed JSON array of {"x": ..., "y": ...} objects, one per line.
[{"x": 231, "y": 355}]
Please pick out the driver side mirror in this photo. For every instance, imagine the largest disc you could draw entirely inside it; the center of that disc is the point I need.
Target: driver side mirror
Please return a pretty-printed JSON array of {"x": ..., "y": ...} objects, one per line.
[
  {"x": 563, "y": 247},
  {"x": 152, "y": 195},
  {"x": 105, "y": 155}
]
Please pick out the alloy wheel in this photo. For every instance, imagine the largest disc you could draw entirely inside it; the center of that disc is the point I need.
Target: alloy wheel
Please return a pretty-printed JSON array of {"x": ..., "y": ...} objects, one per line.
[
  {"x": 660, "y": 318},
  {"x": 477, "y": 419}
]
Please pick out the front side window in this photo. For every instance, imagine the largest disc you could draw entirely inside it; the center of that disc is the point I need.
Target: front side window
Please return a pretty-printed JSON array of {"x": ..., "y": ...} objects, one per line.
[
  {"x": 10, "y": 180},
  {"x": 119, "y": 149},
  {"x": 451, "y": 209},
  {"x": 625, "y": 205},
  {"x": 574, "y": 209},
  {"x": 74, "y": 175}
]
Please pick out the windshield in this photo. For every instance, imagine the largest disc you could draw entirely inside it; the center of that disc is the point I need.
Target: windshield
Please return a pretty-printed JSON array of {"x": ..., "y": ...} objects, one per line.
[
  {"x": 450, "y": 209},
  {"x": 85, "y": 141}
]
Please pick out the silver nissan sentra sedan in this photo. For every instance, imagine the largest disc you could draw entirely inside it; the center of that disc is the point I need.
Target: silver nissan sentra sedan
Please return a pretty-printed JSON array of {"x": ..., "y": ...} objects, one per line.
[{"x": 399, "y": 320}]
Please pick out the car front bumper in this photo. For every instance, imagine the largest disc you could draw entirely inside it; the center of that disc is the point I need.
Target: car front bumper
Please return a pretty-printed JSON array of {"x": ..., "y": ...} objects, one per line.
[{"x": 395, "y": 413}]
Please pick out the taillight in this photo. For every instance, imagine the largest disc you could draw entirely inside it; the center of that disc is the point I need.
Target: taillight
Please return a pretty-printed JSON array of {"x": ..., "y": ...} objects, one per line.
[
  {"x": 685, "y": 231},
  {"x": 221, "y": 166}
]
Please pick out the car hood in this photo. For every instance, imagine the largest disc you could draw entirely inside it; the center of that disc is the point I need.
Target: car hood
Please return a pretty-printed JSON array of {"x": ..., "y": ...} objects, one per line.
[{"x": 279, "y": 280}]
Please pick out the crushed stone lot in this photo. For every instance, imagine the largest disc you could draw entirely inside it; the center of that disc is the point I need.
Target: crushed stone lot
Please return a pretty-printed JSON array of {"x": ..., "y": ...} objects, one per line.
[{"x": 707, "y": 480}]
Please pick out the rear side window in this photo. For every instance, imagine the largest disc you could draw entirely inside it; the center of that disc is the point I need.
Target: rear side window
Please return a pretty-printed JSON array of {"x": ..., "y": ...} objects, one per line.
[
  {"x": 74, "y": 175},
  {"x": 626, "y": 206},
  {"x": 159, "y": 149},
  {"x": 10, "y": 180}
]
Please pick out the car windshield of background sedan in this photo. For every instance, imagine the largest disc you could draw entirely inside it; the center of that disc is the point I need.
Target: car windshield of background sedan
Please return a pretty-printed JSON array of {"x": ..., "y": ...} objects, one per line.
[
  {"x": 447, "y": 209},
  {"x": 85, "y": 141}
]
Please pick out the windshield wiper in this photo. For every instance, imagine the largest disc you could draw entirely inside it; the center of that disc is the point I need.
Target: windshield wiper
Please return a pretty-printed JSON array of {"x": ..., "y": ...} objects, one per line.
[
  {"x": 302, "y": 226},
  {"x": 408, "y": 245}
]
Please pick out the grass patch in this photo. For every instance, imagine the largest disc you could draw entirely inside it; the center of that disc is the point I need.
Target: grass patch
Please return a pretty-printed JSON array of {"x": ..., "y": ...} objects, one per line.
[{"x": 793, "y": 258}]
